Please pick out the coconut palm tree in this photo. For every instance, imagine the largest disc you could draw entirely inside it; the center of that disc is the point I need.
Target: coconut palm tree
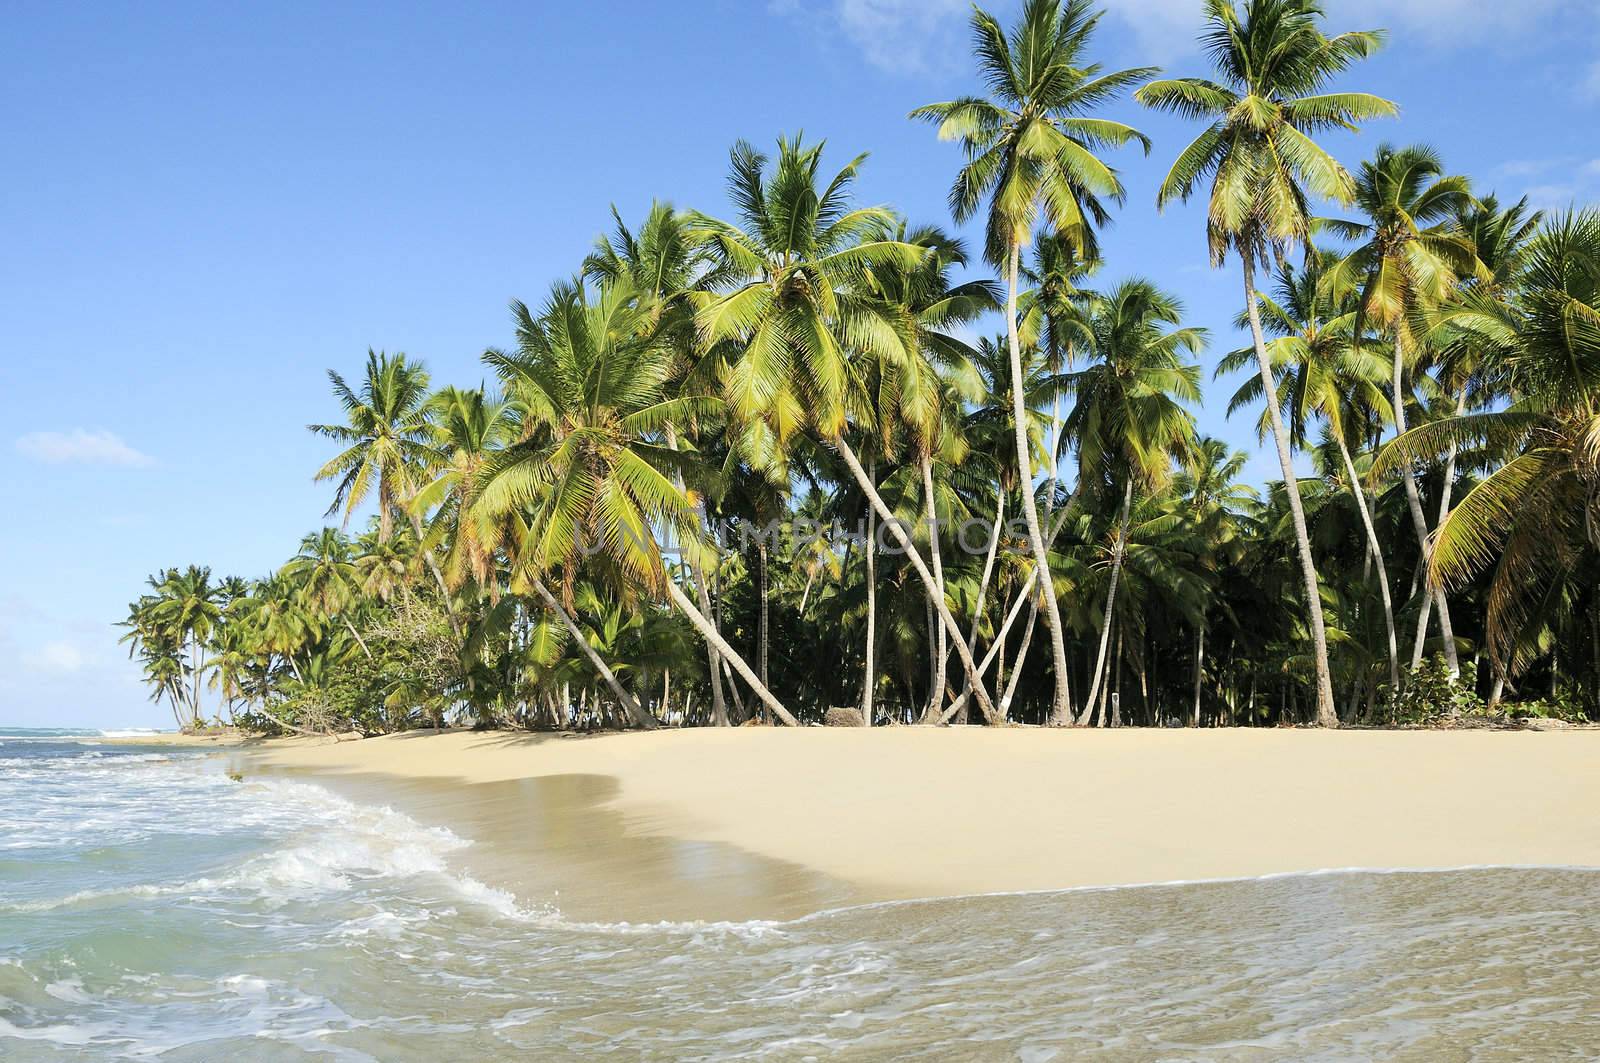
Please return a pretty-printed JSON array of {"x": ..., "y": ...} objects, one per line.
[
  {"x": 1273, "y": 63},
  {"x": 1320, "y": 372},
  {"x": 591, "y": 476},
  {"x": 804, "y": 320},
  {"x": 1128, "y": 419},
  {"x": 1031, "y": 149},
  {"x": 1407, "y": 263},
  {"x": 328, "y": 579},
  {"x": 1530, "y": 523}
]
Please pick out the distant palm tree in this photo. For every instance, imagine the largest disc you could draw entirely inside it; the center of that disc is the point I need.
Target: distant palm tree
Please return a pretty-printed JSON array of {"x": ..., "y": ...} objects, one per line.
[
  {"x": 1320, "y": 372},
  {"x": 1030, "y": 149},
  {"x": 328, "y": 579},
  {"x": 1273, "y": 62},
  {"x": 1407, "y": 263},
  {"x": 590, "y": 481},
  {"x": 804, "y": 319},
  {"x": 1128, "y": 418}
]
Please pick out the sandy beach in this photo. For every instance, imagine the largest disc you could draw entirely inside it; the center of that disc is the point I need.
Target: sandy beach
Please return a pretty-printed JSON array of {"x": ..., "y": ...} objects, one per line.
[{"x": 776, "y": 823}]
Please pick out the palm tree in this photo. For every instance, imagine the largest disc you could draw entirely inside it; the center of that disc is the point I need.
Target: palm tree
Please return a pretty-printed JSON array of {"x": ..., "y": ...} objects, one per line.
[
  {"x": 1214, "y": 505},
  {"x": 590, "y": 477},
  {"x": 328, "y": 579},
  {"x": 1321, "y": 372},
  {"x": 1273, "y": 63},
  {"x": 1529, "y": 522},
  {"x": 468, "y": 426},
  {"x": 388, "y": 438},
  {"x": 1127, "y": 419},
  {"x": 1031, "y": 148},
  {"x": 803, "y": 318},
  {"x": 1407, "y": 263}
]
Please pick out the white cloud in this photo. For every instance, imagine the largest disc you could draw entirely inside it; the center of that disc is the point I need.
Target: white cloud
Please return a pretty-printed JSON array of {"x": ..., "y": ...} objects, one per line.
[
  {"x": 62, "y": 658},
  {"x": 897, "y": 36},
  {"x": 80, "y": 446},
  {"x": 1167, "y": 29}
]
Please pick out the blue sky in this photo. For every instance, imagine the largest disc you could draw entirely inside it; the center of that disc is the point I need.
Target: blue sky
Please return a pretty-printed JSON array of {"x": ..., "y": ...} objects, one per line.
[{"x": 206, "y": 206}]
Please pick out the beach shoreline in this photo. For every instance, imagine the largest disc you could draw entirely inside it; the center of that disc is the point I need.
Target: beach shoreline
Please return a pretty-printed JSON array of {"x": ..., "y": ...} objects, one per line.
[{"x": 769, "y": 823}]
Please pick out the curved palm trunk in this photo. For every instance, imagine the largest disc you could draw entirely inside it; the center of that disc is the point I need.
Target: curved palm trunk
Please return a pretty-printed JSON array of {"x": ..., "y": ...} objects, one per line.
[
  {"x": 1111, "y": 596},
  {"x": 1327, "y": 715},
  {"x": 629, "y": 703},
  {"x": 1021, "y": 659},
  {"x": 438, "y": 577},
  {"x": 1419, "y": 523},
  {"x": 357, "y": 635},
  {"x": 1375, "y": 552},
  {"x": 729, "y": 655},
  {"x": 988, "y": 574},
  {"x": 719, "y": 706},
  {"x": 985, "y": 705},
  {"x": 1061, "y": 706},
  {"x": 941, "y": 648},
  {"x": 997, "y": 647}
]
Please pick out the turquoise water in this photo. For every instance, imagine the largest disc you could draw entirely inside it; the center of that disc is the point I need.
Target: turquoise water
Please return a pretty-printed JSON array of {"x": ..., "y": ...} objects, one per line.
[{"x": 152, "y": 908}]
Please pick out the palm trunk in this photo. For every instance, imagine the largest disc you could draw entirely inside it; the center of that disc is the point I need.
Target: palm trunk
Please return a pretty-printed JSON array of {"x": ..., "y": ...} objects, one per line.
[
  {"x": 1419, "y": 523},
  {"x": 1327, "y": 715},
  {"x": 1446, "y": 628},
  {"x": 761, "y": 622},
  {"x": 940, "y": 648},
  {"x": 1375, "y": 552},
  {"x": 869, "y": 679},
  {"x": 719, "y": 707},
  {"x": 998, "y": 646},
  {"x": 628, "y": 702},
  {"x": 988, "y": 573},
  {"x": 357, "y": 636},
  {"x": 438, "y": 577},
  {"x": 1022, "y": 657},
  {"x": 1061, "y": 705},
  {"x": 1199, "y": 665},
  {"x": 1111, "y": 594},
  {"x": 985, "y": 705},
  {"x": 729, "y": 656}
]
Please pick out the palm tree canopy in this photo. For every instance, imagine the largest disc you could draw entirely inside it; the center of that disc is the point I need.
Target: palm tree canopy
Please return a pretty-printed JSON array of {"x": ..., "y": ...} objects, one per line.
[
  {"x": 1273, "y": 64},
  {"x": 1031, "y": 143}
]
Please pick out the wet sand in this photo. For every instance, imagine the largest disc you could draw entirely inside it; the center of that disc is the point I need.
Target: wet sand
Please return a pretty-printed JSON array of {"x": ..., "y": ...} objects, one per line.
[{"x": 756, "y": 822}]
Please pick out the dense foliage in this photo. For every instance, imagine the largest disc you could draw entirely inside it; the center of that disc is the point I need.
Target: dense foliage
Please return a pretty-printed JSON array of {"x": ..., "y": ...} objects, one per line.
[{"x": 755, "y": 465}]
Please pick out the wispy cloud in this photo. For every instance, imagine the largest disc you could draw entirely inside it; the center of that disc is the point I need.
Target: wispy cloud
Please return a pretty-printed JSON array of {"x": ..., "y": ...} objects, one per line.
[
  {"x": 1168, "y": 29},
  {"x": 81, "y": 446},
  {"x": 896, "y": 36},
  {"x": 62, "y": 658}
]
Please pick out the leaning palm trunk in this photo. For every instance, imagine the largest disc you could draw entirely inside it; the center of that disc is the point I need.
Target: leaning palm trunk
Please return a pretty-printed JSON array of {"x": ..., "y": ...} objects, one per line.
[
  {"x": 1375, "y": 552},
  {"x": 1022, "y": 657},
  {"x": 988, "y": 573},
  {"x": 1326, "y": 716},
  {"x": 729, "y": 655},
  {"x": 719, "y": 707},
  {"x": 629, "y": 703},
  {"x": 985, "y": 705},
  {"x": 997, "y": 647},
  {"x": 941, "y": 648},
  {"x": 1061, "y": 706},
  {"x": 1419, "y": 522},
  {"x": 1111, "y": 597}
]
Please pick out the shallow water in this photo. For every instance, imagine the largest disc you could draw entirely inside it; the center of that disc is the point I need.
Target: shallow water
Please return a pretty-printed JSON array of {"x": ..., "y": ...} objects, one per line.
[{"x": 150, "y": 907}]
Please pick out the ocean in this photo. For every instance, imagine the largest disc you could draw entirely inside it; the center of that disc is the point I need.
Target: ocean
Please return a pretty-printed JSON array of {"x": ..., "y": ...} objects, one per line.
[{"x": 153, "y": 907}]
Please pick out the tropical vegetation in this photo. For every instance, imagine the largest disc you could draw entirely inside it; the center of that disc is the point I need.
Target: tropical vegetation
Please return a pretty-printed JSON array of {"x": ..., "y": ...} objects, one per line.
[{"x": 796, "y": 459}]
